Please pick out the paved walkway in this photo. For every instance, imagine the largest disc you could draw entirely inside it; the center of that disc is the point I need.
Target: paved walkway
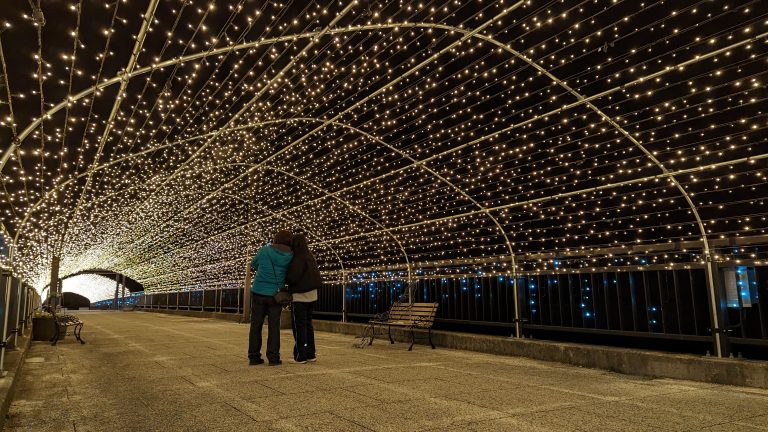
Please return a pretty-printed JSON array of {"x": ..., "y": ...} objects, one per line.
[{"x": 147, "y": 371}]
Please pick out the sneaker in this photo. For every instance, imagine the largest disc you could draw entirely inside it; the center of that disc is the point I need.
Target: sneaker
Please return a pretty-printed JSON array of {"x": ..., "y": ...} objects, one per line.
[
  {"x": 298, "y": 361},
  {"x": 255, "y": 362},
  {"x": 275, "y": 363}
]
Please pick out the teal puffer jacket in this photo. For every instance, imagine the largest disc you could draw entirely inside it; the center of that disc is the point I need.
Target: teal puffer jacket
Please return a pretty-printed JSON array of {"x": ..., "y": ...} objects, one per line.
[{"x": 268, "y": 268}]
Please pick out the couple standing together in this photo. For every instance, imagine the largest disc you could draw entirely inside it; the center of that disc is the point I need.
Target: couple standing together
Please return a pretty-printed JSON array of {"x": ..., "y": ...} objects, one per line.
[{"x": 286, "y": 261}]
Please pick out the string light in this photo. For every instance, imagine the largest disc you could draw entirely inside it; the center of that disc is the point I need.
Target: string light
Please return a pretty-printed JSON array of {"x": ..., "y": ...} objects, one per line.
[{"x": 437, "y": 140}]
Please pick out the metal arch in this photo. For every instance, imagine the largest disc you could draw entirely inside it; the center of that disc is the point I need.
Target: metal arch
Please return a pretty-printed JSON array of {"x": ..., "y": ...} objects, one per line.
[
  {"x": 289, "y": 220},
  {"x": 137, "y": 47},
  {"x": 124, "y": 77},
  {"x": 357, "y": 103},
  {"x": 664, "y": 170},
  {"x": 334, "y": 195},
  {"x": 395, "y": 150},
  {"x": 127, "y": 76},
  {"x": 204, "y": 54},
  {"x": 252, "y": 125},
  {"x": 750, "y": 159}
]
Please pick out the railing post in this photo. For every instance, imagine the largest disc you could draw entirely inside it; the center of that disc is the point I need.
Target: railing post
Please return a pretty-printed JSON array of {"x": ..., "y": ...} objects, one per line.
[
  {"x": 8, "y": 284},
  {"x": 247, "y": 293}
]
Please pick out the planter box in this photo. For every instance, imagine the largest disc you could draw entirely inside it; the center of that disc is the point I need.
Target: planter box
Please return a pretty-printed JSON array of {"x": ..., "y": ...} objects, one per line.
[{"x": 43, "y": 329}]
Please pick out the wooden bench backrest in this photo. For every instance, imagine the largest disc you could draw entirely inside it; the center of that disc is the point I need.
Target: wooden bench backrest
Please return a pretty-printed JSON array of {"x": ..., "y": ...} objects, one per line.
[{"x": 412, "y": 312}]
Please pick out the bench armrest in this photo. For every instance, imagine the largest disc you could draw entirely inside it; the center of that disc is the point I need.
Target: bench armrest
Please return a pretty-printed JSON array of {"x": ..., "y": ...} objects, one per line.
[{"x": 384, "y": 316}]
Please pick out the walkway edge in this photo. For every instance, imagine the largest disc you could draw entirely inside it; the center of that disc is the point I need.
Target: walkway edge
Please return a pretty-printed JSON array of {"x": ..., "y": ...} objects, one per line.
[{"x": 14, "y": 360}]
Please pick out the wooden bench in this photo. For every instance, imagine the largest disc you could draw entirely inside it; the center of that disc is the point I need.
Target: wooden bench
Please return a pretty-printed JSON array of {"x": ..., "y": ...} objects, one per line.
[
  {"x": 64, "y": 321},
  {"x": 413, "y": 316}
]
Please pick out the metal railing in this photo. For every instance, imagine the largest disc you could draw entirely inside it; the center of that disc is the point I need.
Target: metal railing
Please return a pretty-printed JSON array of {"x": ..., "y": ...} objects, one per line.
[
  {"x": 17, "y": 303},
  {"x": 653, "y": 304},
  {"x": 225, "y": 300}
]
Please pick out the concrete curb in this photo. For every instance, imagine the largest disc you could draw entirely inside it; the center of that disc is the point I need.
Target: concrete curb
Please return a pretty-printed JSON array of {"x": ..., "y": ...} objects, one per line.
[
  {"x": 14, "y": 361},
  {"x": 747, "y": 373}
]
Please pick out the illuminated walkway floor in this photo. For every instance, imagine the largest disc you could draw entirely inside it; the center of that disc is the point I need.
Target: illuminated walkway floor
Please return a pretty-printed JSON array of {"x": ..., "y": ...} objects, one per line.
[{"x": 145, "y": 371}]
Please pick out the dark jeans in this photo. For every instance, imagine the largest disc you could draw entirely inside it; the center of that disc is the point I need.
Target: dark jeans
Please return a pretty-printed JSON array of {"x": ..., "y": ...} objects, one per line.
[
  {"x": 303, "y": 332},
  {"x": 264, "y": 306}
]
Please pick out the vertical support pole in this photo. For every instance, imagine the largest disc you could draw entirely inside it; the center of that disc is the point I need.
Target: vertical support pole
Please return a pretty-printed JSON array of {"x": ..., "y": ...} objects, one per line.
[
  {"x": 26, "y": 309},
  {"x": 714, "y": 301},
  {"x": 16, "y": 326},
  {"x": 411, "y": 284},
  {"x": 8, "y": 285},
  {"x": 53, "y": 291},
  {"x": 515, "y": 292},
  {"x": 117, "y": 291},
  {"x": 247, "y": 293},
  {"x": 343, "y": 296},
  {"x": 123, "y": 297}
]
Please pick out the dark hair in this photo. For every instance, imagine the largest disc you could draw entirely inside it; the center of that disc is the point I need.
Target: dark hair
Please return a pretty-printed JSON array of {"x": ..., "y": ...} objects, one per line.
[
  {"x": 299, "y": 244},
  {"x": 282, "y": 237}
]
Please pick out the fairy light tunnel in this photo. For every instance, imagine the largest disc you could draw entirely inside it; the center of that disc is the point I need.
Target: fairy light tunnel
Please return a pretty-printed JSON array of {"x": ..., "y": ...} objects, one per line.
[{"x": 433, "y": 140}]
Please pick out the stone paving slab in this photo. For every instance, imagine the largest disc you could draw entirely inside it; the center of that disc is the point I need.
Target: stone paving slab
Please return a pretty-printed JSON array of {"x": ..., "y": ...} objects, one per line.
[{"x": 153, "y": 372}]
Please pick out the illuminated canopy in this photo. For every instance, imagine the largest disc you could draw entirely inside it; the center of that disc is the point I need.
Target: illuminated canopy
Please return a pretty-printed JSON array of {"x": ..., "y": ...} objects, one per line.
[{"x": 167, "y": 139}]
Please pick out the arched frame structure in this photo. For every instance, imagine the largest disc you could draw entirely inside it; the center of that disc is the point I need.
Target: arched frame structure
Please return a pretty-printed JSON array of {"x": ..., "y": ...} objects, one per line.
[{"x": 513, "y": 146}]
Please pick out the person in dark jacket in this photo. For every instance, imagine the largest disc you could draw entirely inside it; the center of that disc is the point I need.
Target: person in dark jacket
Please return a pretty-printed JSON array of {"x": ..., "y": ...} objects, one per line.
[
  {"x": 303, "y": 278},
  {"x": 268, "y": 268}
]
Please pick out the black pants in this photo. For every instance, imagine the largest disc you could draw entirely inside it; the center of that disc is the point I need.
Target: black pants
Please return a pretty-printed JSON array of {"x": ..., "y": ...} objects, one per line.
[
  {"x": 303, "y": 332},
  {"x": 262, "y": 306}
]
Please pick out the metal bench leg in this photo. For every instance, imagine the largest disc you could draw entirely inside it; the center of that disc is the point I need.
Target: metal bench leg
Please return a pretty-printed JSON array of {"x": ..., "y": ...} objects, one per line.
[
  {"x": 78, "y": 332},
  {"x": 413, "y": 339},
  {"x": 55, "y": 339},
  {"x": 373, "y": 335},
  {"x": 391, "y": 341},
  {"x": 430, "y": 338}
]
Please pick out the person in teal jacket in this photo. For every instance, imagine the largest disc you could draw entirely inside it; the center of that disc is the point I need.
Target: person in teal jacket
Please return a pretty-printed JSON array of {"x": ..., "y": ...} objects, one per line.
[{"x": 268, "y": 269}]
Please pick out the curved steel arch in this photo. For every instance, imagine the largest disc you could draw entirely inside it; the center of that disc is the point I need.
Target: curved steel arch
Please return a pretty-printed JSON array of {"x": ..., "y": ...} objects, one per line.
[
  {"x": 295, "y": 119},
  {"x": 581, "y": 99},
  {"x": 270, "y": 41},
  {"x": 326, "y": 194},
  {"x": 287, "y": 219}
]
